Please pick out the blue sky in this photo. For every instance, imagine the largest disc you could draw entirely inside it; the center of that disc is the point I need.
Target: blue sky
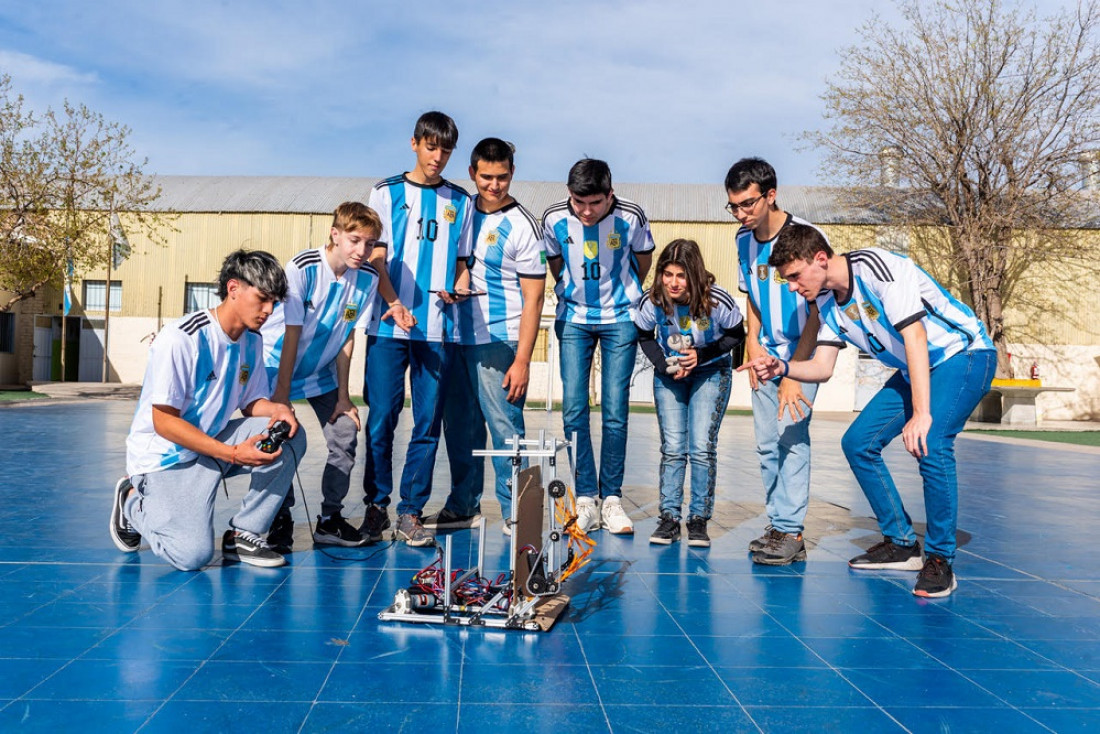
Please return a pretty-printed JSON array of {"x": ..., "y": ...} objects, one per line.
[{"x": 664, "y": 91}]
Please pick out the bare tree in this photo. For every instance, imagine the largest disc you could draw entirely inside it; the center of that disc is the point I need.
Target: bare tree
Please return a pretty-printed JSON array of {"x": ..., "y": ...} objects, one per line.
[
  {"x": 979, "y": 114},
  {"x": 63, "y": 174}
]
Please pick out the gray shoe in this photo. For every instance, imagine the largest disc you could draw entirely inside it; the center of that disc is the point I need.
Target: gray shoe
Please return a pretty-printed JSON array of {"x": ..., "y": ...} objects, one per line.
[
  {"x": 782, "y": 549},
  {"x": 410, "y": 530},
  {"x": 758, "y": 544}
]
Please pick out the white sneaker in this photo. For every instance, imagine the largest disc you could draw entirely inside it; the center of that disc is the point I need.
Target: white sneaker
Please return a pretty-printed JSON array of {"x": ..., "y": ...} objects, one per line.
[
  {"x": 615, "y": 518},
  {"x": 588, "y": 514}
]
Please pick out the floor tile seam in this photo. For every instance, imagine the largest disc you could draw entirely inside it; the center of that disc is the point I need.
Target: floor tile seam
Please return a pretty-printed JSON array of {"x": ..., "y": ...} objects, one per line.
[
  {"x": 970, "y": 680},
  {"x": 1055, "y": 583},
  {"x": 592, "y": 680},
  {"x": 1026, "y": 649},
  {"x": 213, "y": 653},
  {"x": 711, "y": 667}
]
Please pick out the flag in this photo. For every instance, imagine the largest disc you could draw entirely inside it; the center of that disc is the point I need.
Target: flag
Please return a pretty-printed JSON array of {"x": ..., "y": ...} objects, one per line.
[{"x": 68, "y": 287}]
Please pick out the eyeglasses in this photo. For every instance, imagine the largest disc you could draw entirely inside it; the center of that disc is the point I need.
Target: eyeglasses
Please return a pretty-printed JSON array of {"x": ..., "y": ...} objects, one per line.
[{"x": 745, "y": 205}]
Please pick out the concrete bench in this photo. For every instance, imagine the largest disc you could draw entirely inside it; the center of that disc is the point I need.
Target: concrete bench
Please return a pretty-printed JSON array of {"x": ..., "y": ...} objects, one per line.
[{"x": 1012, "y": 402}]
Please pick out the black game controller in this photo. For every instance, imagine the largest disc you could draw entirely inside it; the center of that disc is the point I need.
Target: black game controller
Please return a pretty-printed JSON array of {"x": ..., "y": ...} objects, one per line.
[{"x": 279, "y": 432}]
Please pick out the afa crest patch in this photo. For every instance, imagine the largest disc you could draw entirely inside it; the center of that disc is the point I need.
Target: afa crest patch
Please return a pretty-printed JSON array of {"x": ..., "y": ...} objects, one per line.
[
  {"x": 614, "y": 241},
  {"x": 351, "y": 311},
  {"x": 491, "y": 238},
  {"x": 703, "y": 323},
  {"x": 591, "y": 249},
  {"x": 246, "y": 370},
  {"x": 852, "y": 312},
  {"x": 871, "y": 311},
  {"x": 762, "y": 272},
  {"x": 450, "y": 213}
]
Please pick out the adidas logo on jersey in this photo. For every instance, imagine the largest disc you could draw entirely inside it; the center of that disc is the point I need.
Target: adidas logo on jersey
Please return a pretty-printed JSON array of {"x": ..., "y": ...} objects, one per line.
[
  {"x": 211, "y": 377},
  {"x": 307, "y": 304},
  {"x": 568, "y": 240},
  {"x": 405, "y": 207}
]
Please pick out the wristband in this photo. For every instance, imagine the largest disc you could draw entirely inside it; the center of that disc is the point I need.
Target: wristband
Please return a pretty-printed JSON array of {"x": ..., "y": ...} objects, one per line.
[{"x": 786, "y": 367}]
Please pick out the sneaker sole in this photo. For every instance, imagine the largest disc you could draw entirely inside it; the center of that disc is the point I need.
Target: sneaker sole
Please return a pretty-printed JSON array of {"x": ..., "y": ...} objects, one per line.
[
  {"x": 326, "y": 539},
  {"x": 415, "y": 543},
  {"x": 912, "y": 564},
  {"x": 116, "y": 515},
  {"x": 253, "y": 561},
  {"x": 765, "y": 561},
  {"x": 699, "y": 543},
  {"x": 452, "y": 525},
  {"x": 620, "y": 531},
  {"x": 937, "y": 594},
  {"x": 663, "y": 541}
]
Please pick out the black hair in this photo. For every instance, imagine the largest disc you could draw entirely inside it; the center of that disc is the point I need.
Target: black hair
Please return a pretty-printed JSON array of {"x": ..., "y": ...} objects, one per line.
[
  {"x": 589, "y": 177},
  {"x": 438, "y": 128},
  {"x": 256, "y": 268},
  {"x": 798, "y": 242},
  {"x": 493, "y": 150},
  {"x": 749, "y": 171}
]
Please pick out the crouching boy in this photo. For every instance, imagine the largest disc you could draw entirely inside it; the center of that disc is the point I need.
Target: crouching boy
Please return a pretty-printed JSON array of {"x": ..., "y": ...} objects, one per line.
[{"x": 183, "y": 442}]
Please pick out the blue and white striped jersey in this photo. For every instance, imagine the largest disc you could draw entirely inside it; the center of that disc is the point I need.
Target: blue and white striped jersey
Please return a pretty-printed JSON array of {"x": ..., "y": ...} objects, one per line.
[
  {"x": 426, "y": 229},
  {"x": 599, "y": 279},
  {"x": 782, "y": 313},
  {"x": 328, "y": 309},
  {"x": 889, "y": 292},
  {"x": 723, "y": 315},
  {"x": 507, "y": 247},
  {"x": 195, "y": 368}
]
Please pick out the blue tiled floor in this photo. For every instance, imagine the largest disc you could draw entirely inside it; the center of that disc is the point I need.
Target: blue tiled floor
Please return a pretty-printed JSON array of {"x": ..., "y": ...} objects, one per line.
[{"x": 656, "y": 638}]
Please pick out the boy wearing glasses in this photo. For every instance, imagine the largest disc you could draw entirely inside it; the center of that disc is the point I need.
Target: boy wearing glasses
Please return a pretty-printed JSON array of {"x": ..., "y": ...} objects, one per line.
[
  {"x": 599, "y": 249},
  {"x": 775, "y": 320},
  {"x": 888, "y": 307}
]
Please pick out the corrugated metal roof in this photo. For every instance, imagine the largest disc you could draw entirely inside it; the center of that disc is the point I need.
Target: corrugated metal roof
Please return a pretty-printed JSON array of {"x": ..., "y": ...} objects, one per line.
[
  {"x": 320, "y": 195},
  {"x": 661, "y": 202}
]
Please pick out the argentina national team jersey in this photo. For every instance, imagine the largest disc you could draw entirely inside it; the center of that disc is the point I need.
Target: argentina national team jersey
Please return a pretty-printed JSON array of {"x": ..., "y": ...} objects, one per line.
[
  {"x": 507, "y": 247},
  {"x": 599, "y": 278},
  {"x": 889, "y": 292},
  {"x": 195, "y": 368},
  {"x": 723, "y": 315},
  {"x": 782, "y": 313},
  {"x": 328, "y": 309},
  {"x": 426, "y": 230}
]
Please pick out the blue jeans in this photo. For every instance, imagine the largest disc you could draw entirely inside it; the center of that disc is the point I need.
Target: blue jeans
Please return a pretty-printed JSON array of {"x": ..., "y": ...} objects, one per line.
[
  {"x": 474, "y": 397},
  {"x": 784, "y": 450},
  {"x": 384, "y": 389},
  {"x": 957, "y": 386},
  {"x": 689, "y": 413},
  {"x": 618, "y": 345}
]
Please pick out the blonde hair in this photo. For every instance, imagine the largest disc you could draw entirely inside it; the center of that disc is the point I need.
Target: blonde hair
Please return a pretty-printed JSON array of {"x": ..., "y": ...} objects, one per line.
[{"x": 354, "y": 216}]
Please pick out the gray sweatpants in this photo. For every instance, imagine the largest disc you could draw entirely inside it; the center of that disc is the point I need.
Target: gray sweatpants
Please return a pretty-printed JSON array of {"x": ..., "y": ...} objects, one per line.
[
  {"x": 342, "y": 438},
  {"x": 174, "y": 509}
]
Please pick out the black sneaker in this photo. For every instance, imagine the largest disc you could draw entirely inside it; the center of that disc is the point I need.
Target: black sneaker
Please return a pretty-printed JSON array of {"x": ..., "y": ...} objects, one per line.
[
  {"x": 238, "y": 545},
  {"x": 281, "y": 535},
  {"x": 337, "y": 531},
  {"x": 936, "y": 579},
  {"x": 445, "y": 520},
  {"x": 697, "y": 532},
  {"x": 889, "y": 556},
  {"x": 375, "y": 523},
  {"x": 667, "y": 532},
  {"x": 126, "y": 539},
  {"x": 782, "y": 549}
]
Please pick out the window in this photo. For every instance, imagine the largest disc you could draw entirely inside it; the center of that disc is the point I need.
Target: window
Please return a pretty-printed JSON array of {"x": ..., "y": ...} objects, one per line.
[
  {"x": 95, "y": 295},
  {"x": 7, "y": 332},
  {"x": 198, "y": 296}
]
